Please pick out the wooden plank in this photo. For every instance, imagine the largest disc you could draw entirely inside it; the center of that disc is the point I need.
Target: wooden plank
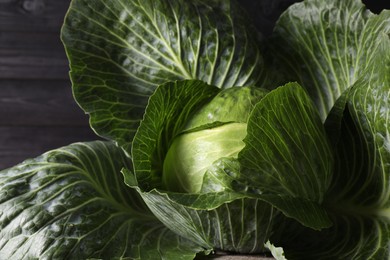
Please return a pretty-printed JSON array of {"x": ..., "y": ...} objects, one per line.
[
  {"x": 32, "y": 56},
  {"x": 20, "y": 143},
  {"x": 32, "y": 15},
  {"x": 39, "y": 103},
  {"x": 32, "y": 41},
  {"x": 15, "y": 65}
]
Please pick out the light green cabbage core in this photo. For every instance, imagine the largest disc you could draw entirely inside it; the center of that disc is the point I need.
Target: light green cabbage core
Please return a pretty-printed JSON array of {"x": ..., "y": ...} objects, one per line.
[{"x": 191, "y": 154}]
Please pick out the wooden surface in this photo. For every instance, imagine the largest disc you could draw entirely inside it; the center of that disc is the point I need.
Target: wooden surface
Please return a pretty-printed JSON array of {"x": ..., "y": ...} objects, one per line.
[{"x": 37, "y": 110}]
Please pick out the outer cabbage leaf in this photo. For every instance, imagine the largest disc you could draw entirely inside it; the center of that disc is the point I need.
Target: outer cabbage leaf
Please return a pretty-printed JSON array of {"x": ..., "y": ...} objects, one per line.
[
  {"x": 288, "y": 159},
  {"x": 120, "y": 51},
  {"x": 72, "y": 203},
  {"x": 287, "y": 146},
  {"x": 208, "y": 219},
  {"x": 325, "y": 46},
  {"x": 216, "y": 221},
  {"x": 359, "y": 195},
  {"x": 225, "y": 177},
  {"x": 365, "y": 138}
]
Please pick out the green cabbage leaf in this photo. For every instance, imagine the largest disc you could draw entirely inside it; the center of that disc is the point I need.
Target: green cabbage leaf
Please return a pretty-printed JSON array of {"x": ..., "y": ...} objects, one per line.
[
  {"x": 72, "y": 203},
  {"x": 120, "y": 51}
]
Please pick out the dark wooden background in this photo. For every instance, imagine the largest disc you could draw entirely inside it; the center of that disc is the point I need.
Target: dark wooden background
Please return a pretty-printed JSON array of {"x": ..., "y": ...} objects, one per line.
[{"x": 37, "y": 111}]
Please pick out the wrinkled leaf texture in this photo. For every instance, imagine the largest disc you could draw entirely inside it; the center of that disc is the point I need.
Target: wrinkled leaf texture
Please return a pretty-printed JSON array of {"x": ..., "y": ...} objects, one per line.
[
  {"x": 325, "y": 46},
  {"x": 275, "y": 165},
  {"x": 340, "y": 53},
  {"x": 72, "y": 203},
  {"x": 120, "y": 51}
]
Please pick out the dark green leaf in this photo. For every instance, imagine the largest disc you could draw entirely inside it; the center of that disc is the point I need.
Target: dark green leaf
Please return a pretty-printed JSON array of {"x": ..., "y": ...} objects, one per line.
[
  {"x": 287, "y": 156},
  {"x": 287, "y": 151},
  {"x": 71, "y": 203},
  {"x": 241, "y": 225},
  {"x": 120, "y": 51},
  {"x": 363, "y": 165},
  {"x": 359, "y": 196},
  {"x": 325, "y": 46},
  {"x": 224, "y": 177}
]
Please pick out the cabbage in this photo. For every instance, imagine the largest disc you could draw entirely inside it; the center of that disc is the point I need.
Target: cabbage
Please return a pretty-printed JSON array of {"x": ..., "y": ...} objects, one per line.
[{"x": 219, "y": 140}]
